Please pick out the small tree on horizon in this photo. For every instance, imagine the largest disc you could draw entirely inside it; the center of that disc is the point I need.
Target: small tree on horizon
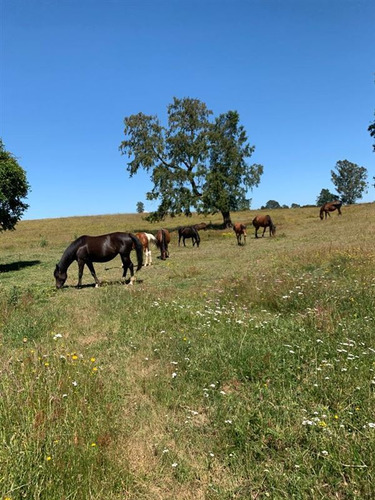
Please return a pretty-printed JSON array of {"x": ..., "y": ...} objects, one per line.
[
  {"x": 140, "y": 207},
  {"x": 324, "y": 197},
  {"x": 350, "y": 181},
  {"x": 13, "y": 187},
  {"x": 272, "y": 204}
]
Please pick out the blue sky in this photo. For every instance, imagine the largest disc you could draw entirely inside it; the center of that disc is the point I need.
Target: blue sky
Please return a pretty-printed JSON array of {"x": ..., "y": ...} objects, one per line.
[{"x": 299, "y": 72}]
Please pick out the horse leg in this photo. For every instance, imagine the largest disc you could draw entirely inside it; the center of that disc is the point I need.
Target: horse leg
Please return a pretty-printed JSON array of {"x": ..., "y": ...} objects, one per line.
[
  {"x": 264, "y": 230},
  {"x": 256, "y": 232},
  {"x": 339, "y": 210},
  {"x": 92, "y": 271},
  {"x": 149, "y": 257},
  {"x": 81, "y": 265},
  {"x": 128, "y": 264}
]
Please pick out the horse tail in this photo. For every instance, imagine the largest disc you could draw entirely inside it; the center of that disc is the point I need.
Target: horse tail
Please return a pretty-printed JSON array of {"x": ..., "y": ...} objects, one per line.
[
  {"x": 163, "y": 244},
  {"x": 138, "y": 249}
]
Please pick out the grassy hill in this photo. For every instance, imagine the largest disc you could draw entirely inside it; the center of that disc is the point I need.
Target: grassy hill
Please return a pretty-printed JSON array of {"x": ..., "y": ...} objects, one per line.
[{"x": 225, "y": 372}]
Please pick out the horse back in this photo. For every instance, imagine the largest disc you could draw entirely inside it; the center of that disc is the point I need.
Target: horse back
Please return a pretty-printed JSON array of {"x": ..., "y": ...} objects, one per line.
[{"x": 262, "y": 220}]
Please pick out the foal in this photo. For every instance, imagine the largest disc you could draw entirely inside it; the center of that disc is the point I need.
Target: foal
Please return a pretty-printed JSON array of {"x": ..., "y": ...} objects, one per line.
[{"x": 240, "y": 231}]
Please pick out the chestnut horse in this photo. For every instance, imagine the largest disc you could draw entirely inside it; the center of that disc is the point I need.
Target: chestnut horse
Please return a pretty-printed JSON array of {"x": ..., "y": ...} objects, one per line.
[
  {"x": 240, "y": 231},
  {"x": 147, "y": 239},
  {"x": 188, "y": 232},
  {"x": 163, "y": 239},
  {"x": 331, "y": 206},
  {"x": 264, "y": 221},
  {"x": 89, "y": 249}
]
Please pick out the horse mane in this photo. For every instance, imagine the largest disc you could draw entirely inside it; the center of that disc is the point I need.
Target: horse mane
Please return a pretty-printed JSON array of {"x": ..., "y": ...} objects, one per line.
[{"x": 70, "y": 253}]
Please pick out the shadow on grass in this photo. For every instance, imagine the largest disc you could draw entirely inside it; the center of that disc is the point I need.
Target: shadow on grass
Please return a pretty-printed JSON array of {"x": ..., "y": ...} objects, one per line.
[
  {"x": 106, "y": 283},
  {"x": 16, "y": 266}
]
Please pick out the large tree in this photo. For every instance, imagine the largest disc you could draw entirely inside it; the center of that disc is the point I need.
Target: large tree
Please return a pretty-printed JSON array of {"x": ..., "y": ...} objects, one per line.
[
  {"x": 324, "y": 197},
  {"x": 195, "y": 163},
  {"x": 13, "y": 188},
  {"x": 350, "y": 180}
]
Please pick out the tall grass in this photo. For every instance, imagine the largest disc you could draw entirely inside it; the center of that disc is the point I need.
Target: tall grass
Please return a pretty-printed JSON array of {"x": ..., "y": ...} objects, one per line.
[{"x": 225, "y": 372}]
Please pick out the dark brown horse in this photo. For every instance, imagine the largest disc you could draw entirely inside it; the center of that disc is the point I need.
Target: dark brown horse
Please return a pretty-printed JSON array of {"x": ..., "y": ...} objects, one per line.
[
  {"x": 331, "y": 206},
  {"x": 264, "y": 221},
  {"x": 163, "y": 238},
  {"x": 240, "y": 231},
  {"x": 89, "y": 249},
  {"x": 188, "y": 232}
]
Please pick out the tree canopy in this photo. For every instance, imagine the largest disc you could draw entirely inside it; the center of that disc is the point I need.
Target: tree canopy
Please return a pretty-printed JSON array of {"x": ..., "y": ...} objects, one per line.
[
  {"x": 13, "y": 188},
  {"x": 371, "y": 129},
  {"x": 271, "y": 204},
  {"x": 350, "y": 180},
  {"x": 195, "y": 163},
  {"x": 325, "y": 196}
]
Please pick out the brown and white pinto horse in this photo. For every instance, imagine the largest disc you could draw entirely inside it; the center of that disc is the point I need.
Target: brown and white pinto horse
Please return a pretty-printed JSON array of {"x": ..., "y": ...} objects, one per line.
[
  {"x": 89, "y": 249},
  {"x": 147, "y": 239},
  {"x": 331, "y": 206},
  {"x": 240, "y": 231},
  {"x": 163, "y": 239},
  {"x": 264, "y": 221}
]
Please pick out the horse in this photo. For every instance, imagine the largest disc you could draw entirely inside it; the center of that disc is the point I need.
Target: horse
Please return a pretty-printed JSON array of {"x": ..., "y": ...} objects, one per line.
[
  {"x": 147, "y": 239},
  {"x": 89, "y": 249},
  {"x": 163, "y": 239},
  {"x": 240, "y": 231},
  {"x": 188, "y": 232},
  {"x": 264, "y": 221},
  {"x": 201, "y": 225},
  {"x": 331, "y": 206}
]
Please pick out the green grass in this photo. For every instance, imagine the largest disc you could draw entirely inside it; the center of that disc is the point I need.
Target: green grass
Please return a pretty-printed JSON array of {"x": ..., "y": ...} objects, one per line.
[{"x": 225, "y": 372}]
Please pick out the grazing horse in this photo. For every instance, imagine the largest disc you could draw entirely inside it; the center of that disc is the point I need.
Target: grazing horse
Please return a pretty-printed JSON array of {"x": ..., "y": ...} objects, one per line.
[
  {"x": 188, "y": 232},
  {"x": 240, "y": 231},
  {"x": 201, "y": 225},
  {"x": 331, "y": 206},
  {"x": 163, "y": 239},
  {"x": 89, "y": 249},
  {"x": 147, "y": 240},
  {"x": 264, "y": 221}
]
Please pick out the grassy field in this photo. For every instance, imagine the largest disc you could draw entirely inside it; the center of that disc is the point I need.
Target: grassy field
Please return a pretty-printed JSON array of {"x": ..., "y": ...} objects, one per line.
[{"x": 225, "y": 372}]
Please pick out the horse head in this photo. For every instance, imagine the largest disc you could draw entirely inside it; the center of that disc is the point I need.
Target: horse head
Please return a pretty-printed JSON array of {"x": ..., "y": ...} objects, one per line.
[{"x": 60, "y": 276}]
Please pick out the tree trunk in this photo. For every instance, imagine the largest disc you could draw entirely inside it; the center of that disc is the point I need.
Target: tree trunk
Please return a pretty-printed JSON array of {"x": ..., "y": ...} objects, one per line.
[{"x": 227, "y": 222}]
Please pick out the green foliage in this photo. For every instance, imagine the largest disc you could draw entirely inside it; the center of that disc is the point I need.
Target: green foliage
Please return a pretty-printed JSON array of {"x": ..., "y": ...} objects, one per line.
[
  {"x": 195, "y": 164},
  {"x": 371, "y": 129},
  {"x": 13, "y": 187},
  {"x": 272, "y": 204},
  {"x": 350, "y": 181},
  {"x": 324, "y": 197},
  {"x": 295, "y": 205},
  {"x": 140, "y": 207}
]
